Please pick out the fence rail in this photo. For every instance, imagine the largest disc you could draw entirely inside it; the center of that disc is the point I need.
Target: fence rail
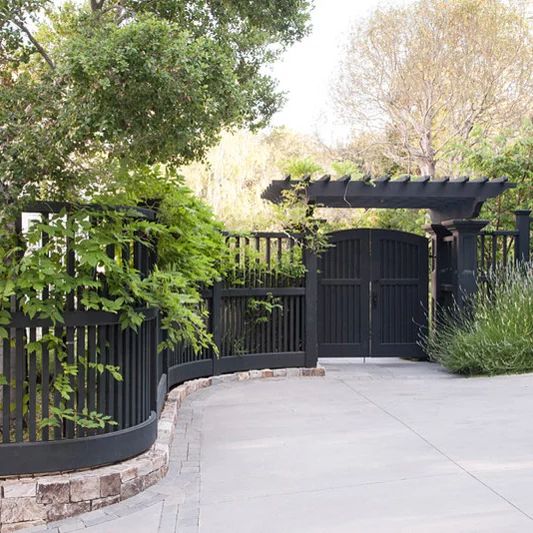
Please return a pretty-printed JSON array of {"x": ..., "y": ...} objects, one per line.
[{"x": 500, "y": 249}]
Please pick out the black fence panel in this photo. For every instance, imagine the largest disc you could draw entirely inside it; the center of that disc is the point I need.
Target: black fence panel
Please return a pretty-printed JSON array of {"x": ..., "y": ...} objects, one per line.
[
  {"x": 31, "y": 396},
  {"x": 257, "y": 314},
  {"x": 496, "y": 250},
  {"x": 101, "y": 368},
  {"x": 501, "y": 249}
]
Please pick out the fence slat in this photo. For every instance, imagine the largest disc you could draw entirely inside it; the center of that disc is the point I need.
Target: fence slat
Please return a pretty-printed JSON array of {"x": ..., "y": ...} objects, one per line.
[
  {"x": 32, "y": 390},
  {"x": 82, "y": 375},
  {"x": 6, "y": 392}
]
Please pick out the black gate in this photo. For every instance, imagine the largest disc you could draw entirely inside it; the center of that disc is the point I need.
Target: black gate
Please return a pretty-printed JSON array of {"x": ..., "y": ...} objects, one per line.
[{"x": 372, "y": 294}]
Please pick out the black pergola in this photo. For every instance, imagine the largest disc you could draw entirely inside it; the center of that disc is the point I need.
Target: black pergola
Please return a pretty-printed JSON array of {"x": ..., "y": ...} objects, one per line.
[
  {"x": 453, "y": 205},
  {"x": 445, "y": 198}
]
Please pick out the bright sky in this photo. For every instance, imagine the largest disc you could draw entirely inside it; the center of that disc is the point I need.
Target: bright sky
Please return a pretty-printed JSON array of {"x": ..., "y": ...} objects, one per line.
[{"x": 308, "y": 68}]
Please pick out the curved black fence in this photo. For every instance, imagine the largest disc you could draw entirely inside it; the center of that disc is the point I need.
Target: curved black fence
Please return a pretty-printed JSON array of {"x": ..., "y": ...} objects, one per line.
[
  {"x": 257, "y": 318},
  {"x": 257, "y": 314},
  {"x": 60, "y": 376},
  {"x": 29, "y": 443},
  {"x": 263, "y": 315}
]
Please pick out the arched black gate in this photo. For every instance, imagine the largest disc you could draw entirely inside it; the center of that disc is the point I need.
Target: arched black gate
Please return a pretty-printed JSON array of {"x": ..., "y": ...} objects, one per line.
[{"x": 372, "y": 294}]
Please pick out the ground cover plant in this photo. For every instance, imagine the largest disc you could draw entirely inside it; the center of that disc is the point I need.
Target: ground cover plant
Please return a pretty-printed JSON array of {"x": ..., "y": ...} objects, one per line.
[{"x": 493, "y": 333}]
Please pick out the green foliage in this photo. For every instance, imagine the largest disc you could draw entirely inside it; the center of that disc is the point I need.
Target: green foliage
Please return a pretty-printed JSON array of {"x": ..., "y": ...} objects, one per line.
[
  {"x": 107, "y": 84},
  {"x": 494, "y": 334},
  {"x": 346, "y": 168},
  {"x": 291, "y": 264},
  {"x": 261, "y": 309},
  {"x": 409, "y": 220},
  {"x": 297, "y": 216},
  {"x": 252, "y": 269},
  {"x": 510, "y": 154},
  {"x": 16, "y": 16},
  {"x": 169, "y": 117},
  {"x": 299, "y": 168},
  {"x": 94, "y": 98},
  {"x": 86, "y": 419},
  {"x": 191, "y": 252},
  {"x": 29, "y": 267},
  {"x": 187, "y": 240}
]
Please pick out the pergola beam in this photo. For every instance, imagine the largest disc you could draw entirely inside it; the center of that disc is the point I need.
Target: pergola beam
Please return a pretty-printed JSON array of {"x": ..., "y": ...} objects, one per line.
[{"x": 446, "y": 198}]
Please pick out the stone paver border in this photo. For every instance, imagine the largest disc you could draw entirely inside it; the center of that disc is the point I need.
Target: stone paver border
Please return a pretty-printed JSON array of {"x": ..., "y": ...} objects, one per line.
[{"x": 35, "y": 500}]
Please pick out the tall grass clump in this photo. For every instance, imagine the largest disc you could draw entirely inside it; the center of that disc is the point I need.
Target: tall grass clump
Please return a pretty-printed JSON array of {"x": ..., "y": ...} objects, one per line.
[{"x": 493, "y": 333}]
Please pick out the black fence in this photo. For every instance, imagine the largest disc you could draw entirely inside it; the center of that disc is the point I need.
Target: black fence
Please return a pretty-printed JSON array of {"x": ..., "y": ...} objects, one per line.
[
  {"x": 257, "y": 314},
  {"x": 39, "y": 359},
  {"x": 263, "y": 315},
  {"x": 257, "y": 317},
  {"x": 501, "y": 249},
  {"x": 474, "y": 256}
]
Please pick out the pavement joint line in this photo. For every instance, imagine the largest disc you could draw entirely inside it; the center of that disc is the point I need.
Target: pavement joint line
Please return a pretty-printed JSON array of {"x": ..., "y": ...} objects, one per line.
[
  {"x": 159, "y": 522},
  {"x": 438, "y": 450},
  {"x": 333, "y": 487}
]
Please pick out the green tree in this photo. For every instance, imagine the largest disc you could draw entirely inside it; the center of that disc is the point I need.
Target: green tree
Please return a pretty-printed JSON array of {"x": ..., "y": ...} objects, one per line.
[
  {"x": 101, "y": 102},
  {"x": 510, "y": 154},
  {"x": 424, "y": 74},
  {"x": 111, "y": 85}
]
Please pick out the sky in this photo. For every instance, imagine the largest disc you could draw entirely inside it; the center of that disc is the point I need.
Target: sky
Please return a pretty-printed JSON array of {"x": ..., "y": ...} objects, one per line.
[{"x": 307, "y": 69}]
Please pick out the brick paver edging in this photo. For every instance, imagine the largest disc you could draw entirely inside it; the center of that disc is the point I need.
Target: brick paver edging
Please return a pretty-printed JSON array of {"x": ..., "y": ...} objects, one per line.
[{"x": 33, "y": 501}]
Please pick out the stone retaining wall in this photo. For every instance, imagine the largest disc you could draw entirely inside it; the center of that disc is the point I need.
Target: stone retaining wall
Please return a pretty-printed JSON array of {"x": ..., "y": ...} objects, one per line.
[{"x": 31, "y": 501}]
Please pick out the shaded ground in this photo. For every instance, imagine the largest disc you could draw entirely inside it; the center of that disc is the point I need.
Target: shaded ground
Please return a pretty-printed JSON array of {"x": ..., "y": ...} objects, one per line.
[{"x": 392, "y": 446}]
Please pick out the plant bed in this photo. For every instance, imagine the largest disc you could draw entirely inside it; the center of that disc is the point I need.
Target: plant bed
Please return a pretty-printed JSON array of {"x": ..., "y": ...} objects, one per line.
[{"x": 493, "y": 333}]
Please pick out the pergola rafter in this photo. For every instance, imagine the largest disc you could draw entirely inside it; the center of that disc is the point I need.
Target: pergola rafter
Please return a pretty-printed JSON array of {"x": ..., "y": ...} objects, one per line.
[{"x": 445, "y": 198}]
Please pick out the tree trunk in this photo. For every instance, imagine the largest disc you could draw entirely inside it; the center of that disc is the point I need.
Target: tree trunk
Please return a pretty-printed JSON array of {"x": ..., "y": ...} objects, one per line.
[
  {"x": 427, "y": 161},
  {"x": 427, "y": 167}
]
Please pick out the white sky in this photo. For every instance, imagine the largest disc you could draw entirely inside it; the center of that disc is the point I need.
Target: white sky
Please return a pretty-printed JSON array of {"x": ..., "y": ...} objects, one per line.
[{"x": 307, "y": 69}]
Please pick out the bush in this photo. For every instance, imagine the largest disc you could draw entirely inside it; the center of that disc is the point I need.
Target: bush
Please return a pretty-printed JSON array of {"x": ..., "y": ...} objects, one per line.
[{"x": 493, "y": 334}]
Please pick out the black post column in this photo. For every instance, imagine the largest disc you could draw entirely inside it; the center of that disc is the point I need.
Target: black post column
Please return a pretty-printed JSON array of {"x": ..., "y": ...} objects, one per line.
[
  {"x": 311, "y": 308},
  {"x": 522, "y": 240},
  {"x": 440, "y": 265},
  {"x": 464, "y": 256},
  {"x": 216, "y": 324}
]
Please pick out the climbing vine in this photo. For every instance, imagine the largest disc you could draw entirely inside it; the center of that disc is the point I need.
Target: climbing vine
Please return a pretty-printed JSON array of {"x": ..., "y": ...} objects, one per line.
[
  {"x": 98, "y": 244},
  {"x": 298, "y": 216}
]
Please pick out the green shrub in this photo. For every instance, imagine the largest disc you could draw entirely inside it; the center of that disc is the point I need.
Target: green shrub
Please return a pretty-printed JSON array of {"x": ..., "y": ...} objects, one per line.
[{"x": 494, "y": 333}]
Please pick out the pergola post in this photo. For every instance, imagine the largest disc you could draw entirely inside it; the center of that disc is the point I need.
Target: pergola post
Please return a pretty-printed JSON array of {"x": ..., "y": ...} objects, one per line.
[
  {"x": 522, "y": 222},
  {"x": 441, "y": 266},
  {"x": 464, "y": 256}
]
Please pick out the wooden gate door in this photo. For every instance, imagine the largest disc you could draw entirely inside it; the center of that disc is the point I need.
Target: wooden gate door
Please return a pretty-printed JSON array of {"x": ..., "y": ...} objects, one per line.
[
  {"x": 399, "y": 293},
  {"x": 372, "y": 294},
  {"x": 343, "y": 292}
]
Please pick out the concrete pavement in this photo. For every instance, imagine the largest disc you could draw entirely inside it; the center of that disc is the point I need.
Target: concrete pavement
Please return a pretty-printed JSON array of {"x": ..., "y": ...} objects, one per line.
[{"x": 386, "y": 446}]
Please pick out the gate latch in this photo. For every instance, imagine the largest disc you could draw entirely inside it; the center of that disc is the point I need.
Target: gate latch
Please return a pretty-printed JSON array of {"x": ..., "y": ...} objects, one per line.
[{"x": 374, "y": 298}]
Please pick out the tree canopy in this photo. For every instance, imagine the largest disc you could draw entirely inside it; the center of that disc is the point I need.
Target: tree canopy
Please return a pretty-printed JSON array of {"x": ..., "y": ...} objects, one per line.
[
  {"x": 427, "y": 74},
  {"x": 90, "y": 91}
]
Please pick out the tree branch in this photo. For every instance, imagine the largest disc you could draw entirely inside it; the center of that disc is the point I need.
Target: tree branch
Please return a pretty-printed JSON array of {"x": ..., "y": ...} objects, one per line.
[
  {"x": 35, "y": 43},
  {"x": 97, "y": 5}
]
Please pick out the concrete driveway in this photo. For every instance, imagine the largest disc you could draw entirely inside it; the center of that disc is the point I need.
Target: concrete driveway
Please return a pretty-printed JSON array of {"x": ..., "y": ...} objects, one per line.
[{"x": 386, "y": 446}]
